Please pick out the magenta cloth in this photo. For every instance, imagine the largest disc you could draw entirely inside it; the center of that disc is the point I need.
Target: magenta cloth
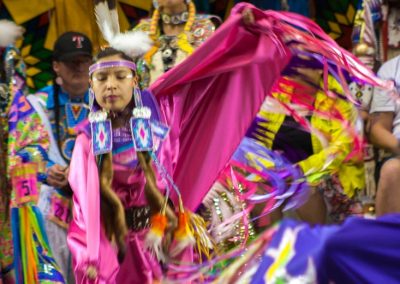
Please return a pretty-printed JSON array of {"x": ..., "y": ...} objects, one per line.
[
  {"x": 139, "y": 265},
  {"x": 87, "y": 239},
  {"x": 211, "y": 98}
]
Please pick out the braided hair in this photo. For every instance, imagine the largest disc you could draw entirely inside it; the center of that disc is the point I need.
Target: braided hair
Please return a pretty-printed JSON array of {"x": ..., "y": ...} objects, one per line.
[{"x": 111, "y": 208}]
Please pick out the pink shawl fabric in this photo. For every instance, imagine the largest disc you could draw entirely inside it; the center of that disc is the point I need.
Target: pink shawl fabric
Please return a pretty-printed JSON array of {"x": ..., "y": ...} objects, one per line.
[
  {"x": 86, "y": 239},
  {"x": 211, "y": 98}
]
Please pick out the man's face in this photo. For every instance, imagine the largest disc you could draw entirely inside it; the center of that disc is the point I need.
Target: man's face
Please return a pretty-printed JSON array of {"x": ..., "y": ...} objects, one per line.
[{"x": 74, "y": 74}]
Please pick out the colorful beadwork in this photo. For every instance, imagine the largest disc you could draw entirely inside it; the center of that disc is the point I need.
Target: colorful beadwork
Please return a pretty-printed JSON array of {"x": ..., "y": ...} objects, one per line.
[
  {"x": 141, "y": 134},
  {"x": 75, "y": 113},
  {"x": 101, "y": 137}
]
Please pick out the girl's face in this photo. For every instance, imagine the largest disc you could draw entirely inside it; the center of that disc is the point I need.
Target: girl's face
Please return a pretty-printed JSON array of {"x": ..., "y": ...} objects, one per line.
[{"x": 113, "y": 87}]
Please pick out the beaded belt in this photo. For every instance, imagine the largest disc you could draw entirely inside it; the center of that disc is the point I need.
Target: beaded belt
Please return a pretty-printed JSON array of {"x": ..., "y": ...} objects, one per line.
[{"x": 137, "y": 218}]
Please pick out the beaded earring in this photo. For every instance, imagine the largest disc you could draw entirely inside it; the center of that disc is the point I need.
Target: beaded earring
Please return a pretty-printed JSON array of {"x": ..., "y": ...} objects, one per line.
[
  {"x": 142, "y": 134},
  {"x": 101, "y": 127}
]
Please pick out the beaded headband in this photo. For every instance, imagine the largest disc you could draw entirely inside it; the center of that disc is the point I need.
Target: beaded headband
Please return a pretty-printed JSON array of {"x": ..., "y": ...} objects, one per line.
[{"x": 110, "y": 64}]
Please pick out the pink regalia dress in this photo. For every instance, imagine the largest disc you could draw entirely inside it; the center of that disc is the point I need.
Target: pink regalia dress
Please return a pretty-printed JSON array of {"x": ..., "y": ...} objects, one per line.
[{"x": 86, "y": 238}]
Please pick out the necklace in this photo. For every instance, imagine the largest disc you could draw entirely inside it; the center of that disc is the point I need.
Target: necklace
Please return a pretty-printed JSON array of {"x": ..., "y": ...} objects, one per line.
[
  {"x": 75, "y": 113},
  {"x": 175, "y": 19},
  {"x": 168, "y": 47}
]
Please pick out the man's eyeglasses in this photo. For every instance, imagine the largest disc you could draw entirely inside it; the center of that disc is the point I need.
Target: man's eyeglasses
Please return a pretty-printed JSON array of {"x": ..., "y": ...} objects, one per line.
[{"x": 77, "y": 62}]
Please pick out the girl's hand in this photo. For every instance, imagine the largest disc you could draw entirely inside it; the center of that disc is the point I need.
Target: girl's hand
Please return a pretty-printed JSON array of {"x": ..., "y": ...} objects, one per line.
[
  {"x": 57, "y": 176},
  {"x": 248, "y": 17},
  {"x": 91, "y": 272}
]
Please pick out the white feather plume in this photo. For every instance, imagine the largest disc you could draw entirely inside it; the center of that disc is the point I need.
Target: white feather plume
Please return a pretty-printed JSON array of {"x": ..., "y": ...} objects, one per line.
[
  {"x": 132, "y": 43},
  {"x": 9, "y": 32},
  {"x": 153, "y": 243},
  {"x": 105, "y": 21},
  {"x": 114, "y": 20}
]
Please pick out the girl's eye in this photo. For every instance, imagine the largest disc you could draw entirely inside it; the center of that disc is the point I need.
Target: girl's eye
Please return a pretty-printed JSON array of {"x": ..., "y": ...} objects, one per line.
[
  {"x": 118, "y": 76},
  {"x": 124, "y": 76},
  {"x": 100, "y": 78}
]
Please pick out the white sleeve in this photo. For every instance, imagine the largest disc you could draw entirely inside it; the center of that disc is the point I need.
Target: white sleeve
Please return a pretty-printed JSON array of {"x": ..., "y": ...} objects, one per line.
[{"x": 382, "y": 100}]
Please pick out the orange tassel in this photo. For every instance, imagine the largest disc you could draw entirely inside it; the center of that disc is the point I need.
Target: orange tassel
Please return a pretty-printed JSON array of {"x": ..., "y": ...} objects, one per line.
[
  {"x": 155, "y": 236},
  {"x": 183, "y": 234},
  {"x": 183, "y": 230}
]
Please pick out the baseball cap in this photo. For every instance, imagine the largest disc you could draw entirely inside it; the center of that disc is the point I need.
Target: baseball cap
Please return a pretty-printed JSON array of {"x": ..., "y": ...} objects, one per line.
[{"x": 70, "y": 45}]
